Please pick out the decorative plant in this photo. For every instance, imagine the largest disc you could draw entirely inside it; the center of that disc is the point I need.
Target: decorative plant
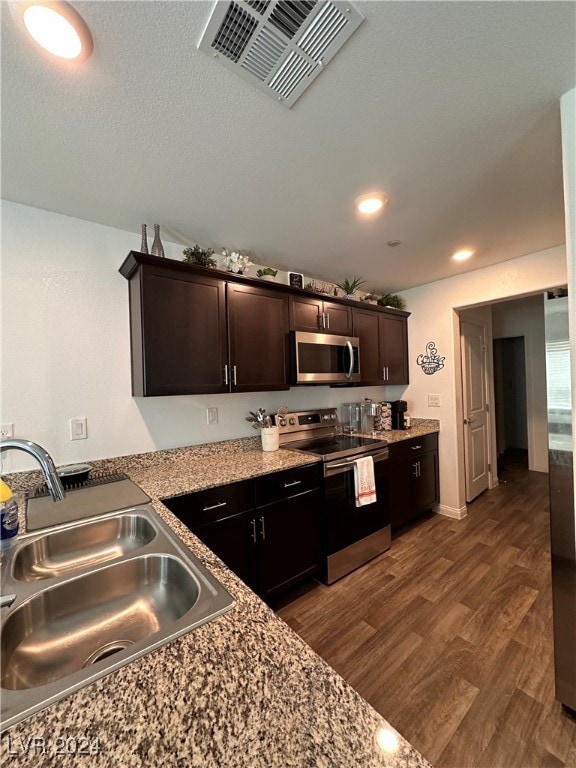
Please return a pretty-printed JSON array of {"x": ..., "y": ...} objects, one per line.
[
  {"x": 236, "y": 261},
  {"x": 267, "y": 272},
  {"x": 200, "y": 256},
  {"x": 350, "y": 286},
  {"x": 391, "y": 300}
]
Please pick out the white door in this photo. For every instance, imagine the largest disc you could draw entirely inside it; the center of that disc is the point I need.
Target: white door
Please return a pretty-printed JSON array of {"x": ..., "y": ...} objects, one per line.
[{"x": 476, "y": 443}]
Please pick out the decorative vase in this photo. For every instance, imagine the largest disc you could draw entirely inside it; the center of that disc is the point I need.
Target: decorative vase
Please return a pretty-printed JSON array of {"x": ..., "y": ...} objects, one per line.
[
  {"x": 144, "y": 243},
  {"x": 157, "y": 247}
]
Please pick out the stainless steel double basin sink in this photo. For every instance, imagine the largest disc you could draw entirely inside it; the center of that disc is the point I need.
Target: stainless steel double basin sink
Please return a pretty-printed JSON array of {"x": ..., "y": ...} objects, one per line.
[{"x": 91, "y": 597}]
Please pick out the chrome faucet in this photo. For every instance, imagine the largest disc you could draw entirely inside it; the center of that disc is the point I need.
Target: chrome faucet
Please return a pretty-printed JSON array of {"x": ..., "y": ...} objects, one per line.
[{"x": 43, "y": 458}]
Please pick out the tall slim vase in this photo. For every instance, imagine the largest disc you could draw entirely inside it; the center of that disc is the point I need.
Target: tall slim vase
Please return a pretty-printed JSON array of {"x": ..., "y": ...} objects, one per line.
[
  {"x": 157, "y": 247},
  {"x": 144, "y": 243}
]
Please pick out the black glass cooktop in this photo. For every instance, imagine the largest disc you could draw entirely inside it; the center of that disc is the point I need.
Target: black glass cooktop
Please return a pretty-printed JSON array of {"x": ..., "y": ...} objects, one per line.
[{"x": 336, "y": 446}]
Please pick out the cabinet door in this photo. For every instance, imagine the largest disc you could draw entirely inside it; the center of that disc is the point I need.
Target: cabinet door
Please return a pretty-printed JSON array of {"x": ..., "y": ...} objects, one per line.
[
  {"x": 367, "y": 327},
  {"x": 258, "y": 333},
  {"x": 289, "y": 541},
  {"x": 179, "y": 339},
  {"x": 305, "y": 314},
  {"x": 230, "y": 539},
  {"x": 400, "y": 494},
  {"x": 394, "y": 354},
  {"x": 338, "y": 318},
  {"x": 424, "y": 481}
]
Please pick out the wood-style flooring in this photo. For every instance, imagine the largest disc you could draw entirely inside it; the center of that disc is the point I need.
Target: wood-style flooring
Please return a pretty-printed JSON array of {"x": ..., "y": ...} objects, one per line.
[{"x": 449, "y": 634}]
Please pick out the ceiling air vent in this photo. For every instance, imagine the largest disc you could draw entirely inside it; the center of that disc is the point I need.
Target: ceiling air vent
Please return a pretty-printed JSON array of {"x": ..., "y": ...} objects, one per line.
[{"x": 280, "y": 46}]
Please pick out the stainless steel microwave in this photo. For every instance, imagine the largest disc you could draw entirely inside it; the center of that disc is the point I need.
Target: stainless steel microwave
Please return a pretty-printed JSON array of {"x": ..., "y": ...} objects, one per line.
[{"x": 324, "y": 358}]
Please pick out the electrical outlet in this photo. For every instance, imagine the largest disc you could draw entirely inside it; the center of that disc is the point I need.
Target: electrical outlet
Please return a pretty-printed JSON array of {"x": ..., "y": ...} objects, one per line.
[
  {"x": 6, "y": 430},
  {"x": 434, "y": 401},
  {"x": 211, "y": 416},
  {"x": 78, "y": 429}
]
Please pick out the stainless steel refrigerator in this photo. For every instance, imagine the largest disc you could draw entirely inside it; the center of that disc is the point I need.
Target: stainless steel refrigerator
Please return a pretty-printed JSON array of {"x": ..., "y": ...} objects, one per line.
[{"x": 562, "y": 516}]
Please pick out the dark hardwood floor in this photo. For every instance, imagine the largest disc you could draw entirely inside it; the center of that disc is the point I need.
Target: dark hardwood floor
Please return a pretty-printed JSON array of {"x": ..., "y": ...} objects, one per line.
[{"x": 449, "y": 634}]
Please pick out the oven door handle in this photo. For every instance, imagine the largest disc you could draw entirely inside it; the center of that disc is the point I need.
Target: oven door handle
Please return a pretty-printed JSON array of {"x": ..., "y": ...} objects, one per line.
[
  {"x": 351, "y": 351},
  {"x": 333, "y": 468}
]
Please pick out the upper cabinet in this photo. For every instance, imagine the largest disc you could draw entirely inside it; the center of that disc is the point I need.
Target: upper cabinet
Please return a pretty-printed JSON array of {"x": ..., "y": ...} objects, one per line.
[
  {"x": 192, "y": 333},
  {"x": 198, "y": 331},
  {"x": 311, "y": 314},
  {"x": 258, "y": 337},
  {"x": 383, "y": 346}
]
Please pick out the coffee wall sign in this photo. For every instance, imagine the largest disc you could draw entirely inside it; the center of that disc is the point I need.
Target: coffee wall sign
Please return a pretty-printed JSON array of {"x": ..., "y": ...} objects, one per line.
[{"x": 430, "y": 362}]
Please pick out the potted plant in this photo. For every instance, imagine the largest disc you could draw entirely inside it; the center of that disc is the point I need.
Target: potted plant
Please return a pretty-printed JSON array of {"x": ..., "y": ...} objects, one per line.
[
  {"x": 391, "y": 300},
  {"x": 350, "y": 286},
  {"x": 203, "y": 257},
  {"x": 267, "y": 273}
]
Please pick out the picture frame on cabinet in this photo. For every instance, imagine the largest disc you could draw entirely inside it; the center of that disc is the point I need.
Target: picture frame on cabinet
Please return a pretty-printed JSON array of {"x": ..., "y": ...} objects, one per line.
[{"x": 295, "y": 280}]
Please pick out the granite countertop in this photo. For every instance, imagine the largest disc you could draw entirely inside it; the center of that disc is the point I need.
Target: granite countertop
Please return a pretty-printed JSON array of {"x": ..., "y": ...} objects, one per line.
[{"x": 243, "y": 691}]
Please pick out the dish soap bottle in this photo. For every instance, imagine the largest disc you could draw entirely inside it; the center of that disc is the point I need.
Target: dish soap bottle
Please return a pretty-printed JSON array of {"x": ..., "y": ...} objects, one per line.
[{"x": 8, "y": 516}]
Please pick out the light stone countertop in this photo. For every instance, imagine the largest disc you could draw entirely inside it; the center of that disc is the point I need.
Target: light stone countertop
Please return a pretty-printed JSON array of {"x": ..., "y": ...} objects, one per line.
[{"x": 243, "y": 691}]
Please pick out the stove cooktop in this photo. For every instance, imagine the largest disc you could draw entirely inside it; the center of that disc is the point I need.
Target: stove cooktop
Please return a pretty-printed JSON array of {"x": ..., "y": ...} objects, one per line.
[{"x": 336, "y": 446}]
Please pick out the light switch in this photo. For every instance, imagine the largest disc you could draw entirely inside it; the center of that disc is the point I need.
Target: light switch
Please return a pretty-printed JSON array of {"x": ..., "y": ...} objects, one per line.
[
  {"x": 434, "y": 401},
  {"x": 212, "y": 416},
  {"x": 78, "y": 429}
]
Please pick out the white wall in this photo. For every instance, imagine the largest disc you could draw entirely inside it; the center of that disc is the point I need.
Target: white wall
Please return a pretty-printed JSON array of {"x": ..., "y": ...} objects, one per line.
[
  {"x": 525, "y": 318},
  {"x": 66, "y": 350},
  {"x": 434, "y": 318}
]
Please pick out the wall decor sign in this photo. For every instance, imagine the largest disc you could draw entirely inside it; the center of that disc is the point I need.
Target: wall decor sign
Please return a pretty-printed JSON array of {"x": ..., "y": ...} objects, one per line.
[
  {"x": 431, "y": 362},
  {"x": 295, "y": 280}
]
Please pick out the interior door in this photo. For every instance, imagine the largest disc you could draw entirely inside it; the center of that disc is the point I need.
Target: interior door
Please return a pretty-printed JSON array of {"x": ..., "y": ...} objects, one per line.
[{"x": 476, "y": 442}]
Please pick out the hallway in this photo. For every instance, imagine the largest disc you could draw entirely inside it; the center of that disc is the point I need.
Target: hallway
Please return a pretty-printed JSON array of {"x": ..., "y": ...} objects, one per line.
[{"x": 449, "y": 634}]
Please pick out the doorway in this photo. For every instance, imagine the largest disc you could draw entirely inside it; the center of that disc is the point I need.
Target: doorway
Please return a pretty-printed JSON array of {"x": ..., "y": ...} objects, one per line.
[{"x": 511, "y": 413}]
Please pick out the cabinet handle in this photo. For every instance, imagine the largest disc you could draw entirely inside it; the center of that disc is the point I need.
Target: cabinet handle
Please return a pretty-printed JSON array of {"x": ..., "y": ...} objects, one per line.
[
  {"x": 253, "y": 522},
  {"x": 226, "y": 374},
  {"x": 415, "y": 447},
  {"x": 415, "y": 465},
  {"x": 383, "y": 373},
  {"x": 327, "y": 319},
  {"x": 294, "y": 482},
  {"x": 215, "y": 506},
  {"x": 262, "y": 529},
  {"x": 387, "y": 374},
  {"x": 234, "y": 376}
]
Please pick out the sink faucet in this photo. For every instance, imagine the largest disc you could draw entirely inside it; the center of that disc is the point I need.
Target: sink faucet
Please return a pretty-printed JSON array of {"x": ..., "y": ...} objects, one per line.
[{"x": 44, "y": 459}]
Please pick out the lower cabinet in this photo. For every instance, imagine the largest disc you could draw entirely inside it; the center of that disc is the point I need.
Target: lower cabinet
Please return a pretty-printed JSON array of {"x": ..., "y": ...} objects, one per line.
[
  {"x": 266, "y": 530},
  {"x": 414, "y": 481}
]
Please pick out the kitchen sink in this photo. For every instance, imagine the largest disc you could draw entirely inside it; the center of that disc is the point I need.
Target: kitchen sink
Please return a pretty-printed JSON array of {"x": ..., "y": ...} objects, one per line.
[
  {"x": 72, "y": 549},
  {"x": 90, "y": 598}
]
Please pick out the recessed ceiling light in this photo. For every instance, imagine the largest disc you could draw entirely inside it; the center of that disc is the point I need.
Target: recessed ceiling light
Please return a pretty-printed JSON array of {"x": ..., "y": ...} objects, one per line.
[
  {"x": 58, "y": 28},
  {"x": 371, "y": 203},
  {"x": 462, "y": 255}
]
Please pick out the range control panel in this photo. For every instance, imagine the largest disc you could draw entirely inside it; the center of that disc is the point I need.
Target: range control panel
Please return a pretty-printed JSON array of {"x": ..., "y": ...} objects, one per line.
[{"x": 307, "y": 423}]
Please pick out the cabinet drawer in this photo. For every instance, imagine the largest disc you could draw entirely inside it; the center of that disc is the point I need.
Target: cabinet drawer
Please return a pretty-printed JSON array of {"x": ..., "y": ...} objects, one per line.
[
  {"x": 405, "y": 449},
  {"x": 195, "y": 509},
  {"x": 283, "y": 485}
]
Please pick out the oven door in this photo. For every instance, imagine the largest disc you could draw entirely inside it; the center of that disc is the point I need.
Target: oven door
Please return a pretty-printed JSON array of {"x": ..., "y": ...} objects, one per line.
[
  {"x": 354, "y": 534},
  {"x": 324, "y": 358}
]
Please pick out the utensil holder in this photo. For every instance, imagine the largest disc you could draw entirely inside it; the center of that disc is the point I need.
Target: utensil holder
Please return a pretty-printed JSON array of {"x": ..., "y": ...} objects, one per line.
[{"x": 270, "y": 438}]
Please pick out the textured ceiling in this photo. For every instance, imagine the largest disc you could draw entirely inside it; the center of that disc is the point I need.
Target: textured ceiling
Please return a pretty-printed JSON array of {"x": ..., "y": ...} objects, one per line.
[{"x": 450, "y": 108}]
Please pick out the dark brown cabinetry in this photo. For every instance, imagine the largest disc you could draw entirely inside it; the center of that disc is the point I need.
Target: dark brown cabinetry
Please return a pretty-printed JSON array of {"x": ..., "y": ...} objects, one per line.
[
  {"x": 201, "y": 331},
  {"x": 193, "y": 333},
  {"x": 179, "y": 340},
  {"x": 310, "y": 314},
  {"x": 383, "y": 346},
  {"x": 266, "y": 530},
  {"x": 413, "y": 471},
  {"x": 258, "y": 336}
]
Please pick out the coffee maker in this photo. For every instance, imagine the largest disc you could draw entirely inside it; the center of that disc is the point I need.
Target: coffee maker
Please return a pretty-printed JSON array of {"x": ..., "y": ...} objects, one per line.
[{"x": 399, "y": 408}]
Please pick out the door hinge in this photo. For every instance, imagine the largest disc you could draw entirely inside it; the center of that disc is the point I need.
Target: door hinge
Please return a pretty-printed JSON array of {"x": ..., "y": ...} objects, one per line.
[
  {"x": 487, "y": 407},
  {"x": 489, "y": 467},
  {"x": 484, "y": 348}
]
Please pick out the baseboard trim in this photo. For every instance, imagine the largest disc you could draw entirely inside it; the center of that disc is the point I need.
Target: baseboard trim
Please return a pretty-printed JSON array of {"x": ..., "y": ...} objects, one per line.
[{"x": 453, "y": 512}]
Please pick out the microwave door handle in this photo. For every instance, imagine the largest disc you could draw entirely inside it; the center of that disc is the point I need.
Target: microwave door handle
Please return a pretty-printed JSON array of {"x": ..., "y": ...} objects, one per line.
[{"x": 351, "y": 351}]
